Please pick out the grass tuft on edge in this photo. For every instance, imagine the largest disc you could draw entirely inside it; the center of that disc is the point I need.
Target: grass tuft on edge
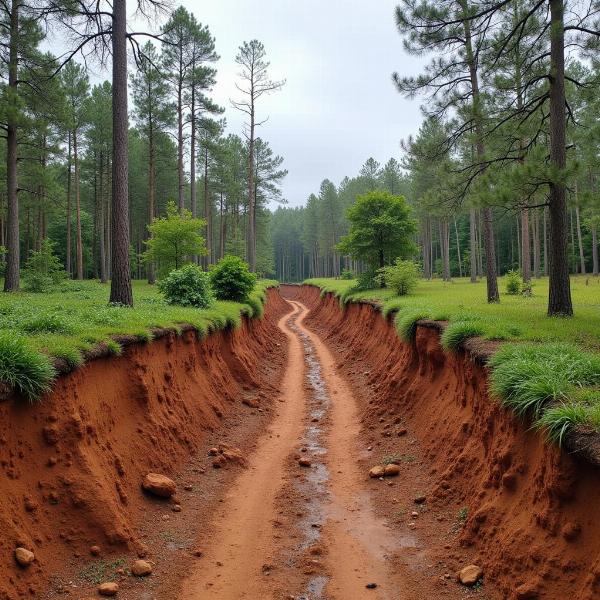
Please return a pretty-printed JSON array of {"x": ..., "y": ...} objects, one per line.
[
  {"x": 24, "y": 369},
  {"x": 406, "y": 323}
]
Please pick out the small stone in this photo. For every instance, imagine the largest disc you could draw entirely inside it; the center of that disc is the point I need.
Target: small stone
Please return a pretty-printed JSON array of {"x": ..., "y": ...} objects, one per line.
[
  {"x": 371, "y": 586},
  {"x": 95, "y": 550},
  {"x": 570, "y": 531},
  {"x": 391, "y": 470},
  {"x": 188, "y": 487},
  {"x": 402, "y": 432},
  {"x": 420, "y": 499},
  {"x": 414, "y": 514},
  {"x": 376, "y": 471},
  {"x": 24, "y": 557},
  {"x": 527, "y": 591},
  {"x": 176, "y": 508},
  {"x": 470, "y": 575},
  {"x": 159, "y": 485},
  {"x": 197, "y": 553},
  {"x": 30, "y": 504},
  {"x": 304, "y": 462},
  {"x": 213, "y": 452},
  {"x": 110, "y": 588},
  {"x": 141, "y": 568}
]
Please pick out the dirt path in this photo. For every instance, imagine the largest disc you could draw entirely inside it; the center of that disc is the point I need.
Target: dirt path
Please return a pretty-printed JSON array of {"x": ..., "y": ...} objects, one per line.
[{"x": 250, "y": 556}]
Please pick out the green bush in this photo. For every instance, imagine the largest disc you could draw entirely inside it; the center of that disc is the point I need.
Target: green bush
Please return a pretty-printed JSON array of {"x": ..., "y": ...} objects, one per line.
[
  {"x": 231, "y": 279},
  {"x": 47, "y": 323},
  {"x": 22, "y": 368},
  {"x": 188, "y": 286},
  {"x": 406, "y": 322},
  {"x": 43, "y": 269},
  {"x": 367, "y": 280},
  {"x": 347, "y": 274},
  {"x": 513, "y": 283},
  {"x": 456, "y": 333},
  {"x": 401, "y": 277}
]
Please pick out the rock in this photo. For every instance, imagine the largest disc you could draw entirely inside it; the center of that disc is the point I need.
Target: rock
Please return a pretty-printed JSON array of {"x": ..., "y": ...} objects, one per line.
[
  {"x": 371, "y": 586},
  {"x": 251, "y": 402},
  {"x": 391, "y": 470},
  {"x": 176, "y": 508},
  {"x": 95, "y": 550},
  {"x": 232, "y": 454},
  {"x": 420, "y": 499},
  {"x": 570, "y": 531},
  {"x": 402, "y": 432},
  {"x": 110, "y": 588},
  {"x": 527, "y": 591},
  {"x": 414, "y": 514},
  {"x": 376, "y": 471},
  {"x": 159, "y": 485},
  {"x": 213, "y": 452},
  {"x": 141, "y": 568},
  {"x": 24, "y": 557},
  {"x": 470, "y": 575},
  {"x": 304, "y": 462},
  {"x": 30, "y": 504}
]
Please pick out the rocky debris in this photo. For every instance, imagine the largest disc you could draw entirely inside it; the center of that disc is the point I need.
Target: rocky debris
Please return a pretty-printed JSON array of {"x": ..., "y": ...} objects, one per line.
[
  {"x": 376, "y": 471},
  {"x": 224, "y": 454},
  {"x": 304, "y": 462},
  {"x": 141, "y": 568},
  {"x": 391, "y": 470},
  {"x": 527, "y": 591},
  {"x": 420, "y": 499},
  {"x": 402, "y": 432},
  {"x": 95, "y": 550},
  {"x": 176, "y": 508},
  {"x": 159, "y": 485},
  {"x": 371, "y": 586},
  {"x": 110, "y": 588},
  {"x": 470, "y": 575},
  {"x": 251, "y": 402},
  {"x": 24, "y": 557}
]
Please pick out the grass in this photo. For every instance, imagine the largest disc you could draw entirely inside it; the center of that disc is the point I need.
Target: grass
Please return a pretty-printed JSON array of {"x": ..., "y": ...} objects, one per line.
[
  {"x": 76, "y": 316},
  {"x": 102, "y": 570},
  {"x": 548, "y": 371}
]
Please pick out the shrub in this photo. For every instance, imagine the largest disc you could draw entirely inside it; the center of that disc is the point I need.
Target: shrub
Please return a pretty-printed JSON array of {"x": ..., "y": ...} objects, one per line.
[
  {"x": 367, "y": 280},
  {"x": 513, "y": 283},
  {"x": 43, "y": 269},
  {"x": 231, "y": 279},
  {"x": 188, "y": 286},
  {"x": 347, "y": 274},
  {"x": 22, "y": 368},
  {"x": 402, "y": 277},
  {"x": 47, "y": 323}
]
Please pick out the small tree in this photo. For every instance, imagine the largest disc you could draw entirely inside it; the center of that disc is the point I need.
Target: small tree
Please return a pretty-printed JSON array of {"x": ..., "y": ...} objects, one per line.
[
  {"x": 43, "y": 269},
  {"x": 401, "y": 277},
  {"x": 381, "y": 229},
  {"x": 174, "y": 240},
  {"x": 231, "y": 279}
]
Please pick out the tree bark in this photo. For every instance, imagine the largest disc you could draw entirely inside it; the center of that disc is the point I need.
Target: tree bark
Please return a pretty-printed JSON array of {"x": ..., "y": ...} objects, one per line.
[
  {"x": 120, "y": 291},
  {"x": 536, "y": 245},
  {"x": 101, "y": 223},
  {"x": 207, "y": 212},
  {"x": 251, "y": 233},
  {"x": 426, "y": 236},
  {"x": 68, "y": 244},
  {"x": 78, "y": 242},
  {"x": 488, "y": 230},
  {"x": 473, "y": 244},
  {"x": 559, "y": 298},
  {"x": 594, "y": 250},
  {"x": 150, "y": 271},
  {"x": 525, "y": 246},
  {"x": 13, "y": 259},
  {"x": 580, "y": 239}
]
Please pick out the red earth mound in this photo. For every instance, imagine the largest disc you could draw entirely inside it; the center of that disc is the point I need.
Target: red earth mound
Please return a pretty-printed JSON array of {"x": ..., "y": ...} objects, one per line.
[
  {"x": 531, "y": 508},
  {"x": 71, "y": 466}
]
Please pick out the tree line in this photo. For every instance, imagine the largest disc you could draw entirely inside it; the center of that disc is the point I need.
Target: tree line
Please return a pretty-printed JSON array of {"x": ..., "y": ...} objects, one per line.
[
  {"x": 90, "y": 168},
  {"x": 503, "y": 171}
]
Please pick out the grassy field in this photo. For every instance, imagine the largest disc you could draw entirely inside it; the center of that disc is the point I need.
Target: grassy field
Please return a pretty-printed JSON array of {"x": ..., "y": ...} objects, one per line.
[
  {"x": 76, "y": 316},
  {"x": 548, "y": 371}
]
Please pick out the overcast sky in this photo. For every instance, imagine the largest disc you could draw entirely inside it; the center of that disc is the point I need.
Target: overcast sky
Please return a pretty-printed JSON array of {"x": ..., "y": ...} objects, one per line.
[{"x": 339, "y": 105}]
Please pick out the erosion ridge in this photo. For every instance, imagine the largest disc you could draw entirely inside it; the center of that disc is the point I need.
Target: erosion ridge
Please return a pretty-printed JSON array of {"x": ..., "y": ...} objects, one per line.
[
  {"x": 528, "y": 504},
  {"x": 72, "y": 465}
]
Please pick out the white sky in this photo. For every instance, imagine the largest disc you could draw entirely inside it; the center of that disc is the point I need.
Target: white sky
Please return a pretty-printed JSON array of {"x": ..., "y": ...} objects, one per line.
[{"x": 339, "y": 105}]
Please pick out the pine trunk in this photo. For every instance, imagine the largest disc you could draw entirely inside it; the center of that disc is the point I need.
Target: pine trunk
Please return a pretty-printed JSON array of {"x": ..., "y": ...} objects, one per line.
[
  {"x": 594, "y": 251},
  {"x": 559, "y": 300},
  {"x": 78, "y": 240},
  {"x": 120, "y": 291},
  {"x": 68, "y": 245},
  {"x": 150, "y": 271},
  {"x": 525, "y": 246},
  {"x": 580, "y": 240},
  {"x": 13, "y": 259}
]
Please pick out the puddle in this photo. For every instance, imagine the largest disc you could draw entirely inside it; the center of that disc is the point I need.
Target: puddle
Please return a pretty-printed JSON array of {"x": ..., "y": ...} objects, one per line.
[{"x": 314, "y": 486}]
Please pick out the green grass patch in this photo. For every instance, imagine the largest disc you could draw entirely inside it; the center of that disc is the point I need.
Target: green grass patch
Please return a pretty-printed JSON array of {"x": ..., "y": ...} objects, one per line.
[
  {"x": 76, "y": 316},
  {"x": 406, "y": 322}
]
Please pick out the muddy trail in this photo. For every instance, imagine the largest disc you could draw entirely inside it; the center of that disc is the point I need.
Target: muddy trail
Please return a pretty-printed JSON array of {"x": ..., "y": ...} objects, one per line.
[{"x": 315, "y": 456}]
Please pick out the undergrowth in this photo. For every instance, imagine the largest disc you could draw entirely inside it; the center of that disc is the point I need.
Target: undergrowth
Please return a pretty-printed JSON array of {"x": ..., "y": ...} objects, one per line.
[{"x": 75, "y": 317}]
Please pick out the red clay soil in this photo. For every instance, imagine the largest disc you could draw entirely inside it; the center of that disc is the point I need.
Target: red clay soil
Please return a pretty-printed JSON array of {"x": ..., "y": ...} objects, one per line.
[
  {"x": 531, "y": 518},
  {"x": 72, "y": 465}
]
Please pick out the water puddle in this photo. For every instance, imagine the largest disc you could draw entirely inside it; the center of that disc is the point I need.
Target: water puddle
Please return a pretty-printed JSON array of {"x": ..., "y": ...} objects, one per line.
[{"x": 314, "y": 486}]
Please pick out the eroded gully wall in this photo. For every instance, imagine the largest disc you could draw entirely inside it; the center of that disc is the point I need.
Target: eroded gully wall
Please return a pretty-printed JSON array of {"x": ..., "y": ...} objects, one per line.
[
  {"x": 532, "y": 508},
  {"x": 71, "y": 466}
]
